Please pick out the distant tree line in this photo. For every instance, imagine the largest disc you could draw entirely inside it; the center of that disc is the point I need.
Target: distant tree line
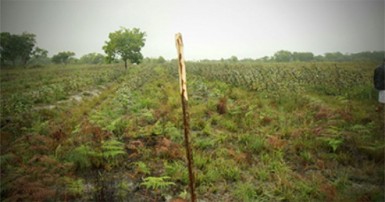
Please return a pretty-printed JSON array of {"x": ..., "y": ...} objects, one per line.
[
  {"x": 21, "y": 50},
  {"x": 287, "y": 56},
  {"x": 125, "y": 45}
]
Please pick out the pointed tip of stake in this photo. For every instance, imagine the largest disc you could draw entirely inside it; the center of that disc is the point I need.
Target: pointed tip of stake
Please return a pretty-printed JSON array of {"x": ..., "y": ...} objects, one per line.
[
  {"x": 181, "y": 65},
  {"x": 178, "y": 38}
]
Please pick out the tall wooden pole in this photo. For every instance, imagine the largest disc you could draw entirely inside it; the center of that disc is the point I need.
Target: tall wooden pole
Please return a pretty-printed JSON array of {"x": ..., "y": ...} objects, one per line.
[{"x": 186, "y": 124}]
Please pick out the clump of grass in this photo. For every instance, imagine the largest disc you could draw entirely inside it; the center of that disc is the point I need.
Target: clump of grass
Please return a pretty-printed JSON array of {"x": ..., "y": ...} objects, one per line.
[
  {"x": 263, "y": 173},
  {"x": 142, "y": 167},
  {"x": 245, "y": 191},
  {"x": 123, "y": 189},
  {"x": 204, "y": 143},
  {"x": 113, "y": 152},
  {"x": 201, "y": 160},
  {"x": 82, "y": 156},
  {"x": 229, "y": 125},
  {"x": 307, "y": 156},
  {"x": 75, "y": 187},
  {"x": 332, "y": 143},
  {"x": 251, "y": 143},
  {"x": 172, "y": 132},
  {"x": 177, "y": 171},
  {"x": 209, "y": 175},
  {"x": 228, "y": 169},
  {"x": 232, "y": 173}
]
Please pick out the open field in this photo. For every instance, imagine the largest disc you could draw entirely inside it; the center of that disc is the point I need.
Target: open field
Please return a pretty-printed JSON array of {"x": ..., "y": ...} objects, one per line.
[{"x": 260, "y": 132}]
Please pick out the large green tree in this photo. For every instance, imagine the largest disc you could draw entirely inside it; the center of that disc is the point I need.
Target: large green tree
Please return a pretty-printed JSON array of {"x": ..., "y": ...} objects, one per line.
[
  {"x": 16, "y": 48},
  {"x": 63, "y": 57},
  {"x": 125, "y": 43}
]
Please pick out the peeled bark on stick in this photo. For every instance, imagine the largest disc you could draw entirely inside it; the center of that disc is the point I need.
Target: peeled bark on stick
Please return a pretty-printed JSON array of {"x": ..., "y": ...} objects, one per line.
[{"x": 184, "y": 98}]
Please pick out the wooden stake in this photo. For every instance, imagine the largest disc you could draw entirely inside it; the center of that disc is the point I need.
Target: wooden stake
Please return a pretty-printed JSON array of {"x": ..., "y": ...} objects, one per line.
[{"x": 186, "y": 124}]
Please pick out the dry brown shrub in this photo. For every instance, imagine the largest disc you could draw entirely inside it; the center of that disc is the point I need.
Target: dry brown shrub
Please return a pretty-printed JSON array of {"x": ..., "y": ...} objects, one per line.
[
  {"x": 222, "y": 105},
  {"x": 329, "y": 190},
  {"x": 276, "y": 142},
  {"x": 266, "y": 121},
  {"x": 59, "y": 135},
  {"x": 323, "y": 114},
  {"x": 240, "y": 157},
  {"x": 169, "y": 149}
]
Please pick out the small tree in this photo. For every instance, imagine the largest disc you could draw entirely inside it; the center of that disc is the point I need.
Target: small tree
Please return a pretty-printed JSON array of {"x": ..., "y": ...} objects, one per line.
[
  {"x": 233, "y": 58},
  {"x": 127, "y": 44},
  {"x": 39, "y": 57},
  {"x": 161, "y": 60},
  {"x": 283, "y": 56},
  {"x": 63, "y": 57}
]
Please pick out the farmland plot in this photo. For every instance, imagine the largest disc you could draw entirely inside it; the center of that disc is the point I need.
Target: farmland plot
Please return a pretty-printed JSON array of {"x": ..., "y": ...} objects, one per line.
[{"x": 260, "y": 132}]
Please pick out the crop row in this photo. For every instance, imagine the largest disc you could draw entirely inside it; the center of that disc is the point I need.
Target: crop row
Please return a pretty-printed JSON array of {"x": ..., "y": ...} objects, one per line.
[
  {"x": 22, "y": 92},
  {"x": 326, "y": 78}
]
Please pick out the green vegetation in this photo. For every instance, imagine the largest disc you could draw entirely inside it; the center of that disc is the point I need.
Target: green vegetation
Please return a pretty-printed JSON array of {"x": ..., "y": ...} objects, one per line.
[
  {"x": 17, "y": 49},
  {"x": 157, "y": 182},
  {"x": 63, "y": 57},
  {"x": 127, "y": 44},
  {"x": 261, "y": 131},
  {"x": 92, "y": 58},
  {"x": 287, "y": 56}
]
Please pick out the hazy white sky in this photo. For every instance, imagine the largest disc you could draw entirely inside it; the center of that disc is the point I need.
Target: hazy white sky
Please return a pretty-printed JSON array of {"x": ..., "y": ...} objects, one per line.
[{"x": 211, "y": 29}]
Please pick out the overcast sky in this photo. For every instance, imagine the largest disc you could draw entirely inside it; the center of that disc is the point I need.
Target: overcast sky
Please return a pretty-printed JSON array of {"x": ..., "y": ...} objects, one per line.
[{"x": 211, "y": 29}]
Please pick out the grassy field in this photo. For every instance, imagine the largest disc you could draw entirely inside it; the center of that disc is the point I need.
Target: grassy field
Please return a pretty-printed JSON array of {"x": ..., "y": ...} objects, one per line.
[{"x": 260, "y": 132}]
